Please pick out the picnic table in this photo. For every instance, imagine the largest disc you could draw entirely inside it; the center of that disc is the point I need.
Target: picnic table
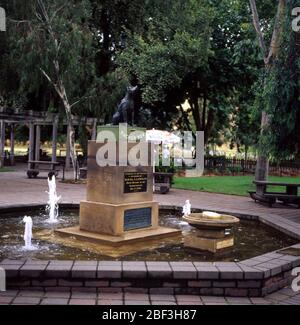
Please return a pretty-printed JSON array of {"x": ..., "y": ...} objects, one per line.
[
  {"x": 263, "y": 195},
  {"x": 35, "y": 167}
]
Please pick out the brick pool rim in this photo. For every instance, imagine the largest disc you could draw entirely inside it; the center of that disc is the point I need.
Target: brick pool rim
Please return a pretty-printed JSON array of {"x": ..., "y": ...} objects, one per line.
[{"x": 255, "y": 277}]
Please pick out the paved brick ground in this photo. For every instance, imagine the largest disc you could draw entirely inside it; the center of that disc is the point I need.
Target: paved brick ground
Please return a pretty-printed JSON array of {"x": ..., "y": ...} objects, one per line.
[
  {"x": 27, "y": 191},
  {"x": 30, "y": 191},
  {"x": 283, "y": 297}
]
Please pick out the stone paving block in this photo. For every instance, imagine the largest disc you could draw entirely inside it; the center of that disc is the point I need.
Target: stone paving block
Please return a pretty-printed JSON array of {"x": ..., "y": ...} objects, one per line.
[
  {"x": 137, "y": 303},
  {"x": 189, "y": 303},
  {"x": 82, "y": 302},
  {"x": 32, "y": 294},
  {"x": 154, "y": 297},
  {"x": 9, "y": 293},
  {"x": 136, "y": 297},
  {"x": 6, "y": 300},
  {"x": 56, "y": 294},
  {"x": 26, "y": 301},
  {"x": 206, "y": 300},
  {"x": 61, "y": 263},
  {"x": 117, "y": 284},
  {"x": 83, "y": 295},
  {"x": 200, "y": 284},
  {"x": 274, "y": 268},
  {"x": 224, "y": 284},
  {"x": 134, "y": 270},
  {"x": 58, "y": 289},
  {"x": 12, "y": 262},
  {"x": 230, "y": 272},
  {"x": 207, "y": 272},
  {"x": 110, "y": 302},
  {"x": 54, "y": 301},
  {"x": 136, "y": 290},
  {"x": 111, "y": 296},
  {"x": 32, "y": 271},
  {"x": 187, "y": 291},
  {"x": 235, "y": 292},
  {"x": 84, "y": 271},
  {"x": 249, "y": 284},
  {"x": 59, "y": 269},
  {"x": 36, "y": 262},
  {"x": 44, "y": 283},
  {"x": 239, "y": 301},
  {"x": 189, "y": 298},
  {"x": 66, "y": 283},
  {"x": 250, "y": 262},
  {"x": 260, "y": 301},
  {"x": 111, "y": 290},
  {"x": 276, "y": 297},
  {"x": 212, "y": 292},
  {"x": 19, "y": 284},
  {"x": 86, "y": 263},
  {"x": 96, "y": 284},
  {"x": 251, "y": 273},
  {"x": 163, "y": 303},
  {"x": 157, "y": 270},
  {"x": 109, "y": 270},
  {"x": 184, "y": 270},
  {"x": 84, "y": 290},
  {"x": 11, "y": 271},
  {"x": 266, "y": 271},
  {"x": 162, "y": 291}
]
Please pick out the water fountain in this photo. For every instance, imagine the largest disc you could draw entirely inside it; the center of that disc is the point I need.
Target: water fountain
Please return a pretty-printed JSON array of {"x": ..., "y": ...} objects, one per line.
[
  {"x": 214, "y": 231},
  {"x": 28, "y": 233},
  {"x": 187, "y": 209},
  {"x": 52, "y": 207},
  {"x": 119, "y": 209}
]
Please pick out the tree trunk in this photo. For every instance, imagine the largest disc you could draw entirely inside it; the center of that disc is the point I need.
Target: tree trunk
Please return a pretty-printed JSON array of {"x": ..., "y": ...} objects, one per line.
[
  {"x": 262, "y": 167},
  {"x": 71, "y": 139}
]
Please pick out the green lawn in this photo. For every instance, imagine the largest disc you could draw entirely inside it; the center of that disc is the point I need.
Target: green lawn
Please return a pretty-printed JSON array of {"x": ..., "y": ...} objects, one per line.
[
  {"x": 6, "y": 170},
  {"x": 235, "y": 185}
]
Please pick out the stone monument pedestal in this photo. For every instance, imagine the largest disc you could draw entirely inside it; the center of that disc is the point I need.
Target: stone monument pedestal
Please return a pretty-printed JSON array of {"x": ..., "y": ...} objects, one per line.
[
  {"x": 119, "y": 208},
  {"x": 213, "y": 245}
]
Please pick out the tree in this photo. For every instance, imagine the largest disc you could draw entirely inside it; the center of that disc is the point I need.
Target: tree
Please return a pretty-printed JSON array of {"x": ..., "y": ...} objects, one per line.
[
  {"x": 280, "y": 98},
  {"x": 194, "y": 51},
  {"x": 269, "y": 57},
  {"x": 173, "y": 46},
  {"x": 56, "y": 43}
]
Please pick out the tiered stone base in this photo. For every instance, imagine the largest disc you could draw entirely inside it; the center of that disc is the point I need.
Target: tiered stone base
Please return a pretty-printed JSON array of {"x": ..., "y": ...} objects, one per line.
[{"x": 117, "y": 241}]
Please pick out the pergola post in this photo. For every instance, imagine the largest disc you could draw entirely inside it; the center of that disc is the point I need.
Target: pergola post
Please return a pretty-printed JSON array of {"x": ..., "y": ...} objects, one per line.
[
  {"x": 31, "y": 144},
  {"x": 12, "y": 144},
  {"x": 37, "y": 143},
  {"x": 2, "y": 143},
  {"x": 54, "y": 139},
  {"x": 94, "y": 132},
  {"x": 68, "y": 150}
]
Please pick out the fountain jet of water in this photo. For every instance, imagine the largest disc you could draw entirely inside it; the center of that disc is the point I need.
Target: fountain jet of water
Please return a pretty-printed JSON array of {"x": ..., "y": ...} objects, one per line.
[
  {"x": 52, "y": 207},
  {"x": 28, "y": 233},
  {"x": 187, "y": 209}
]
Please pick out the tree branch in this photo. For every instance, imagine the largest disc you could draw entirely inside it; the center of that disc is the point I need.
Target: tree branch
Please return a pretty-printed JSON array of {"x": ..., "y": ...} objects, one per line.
[
  {"x": 277, "y": 32},
  {"x": 275, "y": 42},
  {"x": 257, "y": 27}
]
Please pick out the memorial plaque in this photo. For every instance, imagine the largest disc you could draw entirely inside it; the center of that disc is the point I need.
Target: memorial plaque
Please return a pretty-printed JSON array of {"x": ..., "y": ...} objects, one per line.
[
  {"x": 137, "y": 219},
  {"x": 135, "y": 183}
]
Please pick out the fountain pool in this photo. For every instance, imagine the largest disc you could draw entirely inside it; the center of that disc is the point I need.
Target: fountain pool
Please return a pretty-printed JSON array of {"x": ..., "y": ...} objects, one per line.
[{"x": 251, "y": 239}]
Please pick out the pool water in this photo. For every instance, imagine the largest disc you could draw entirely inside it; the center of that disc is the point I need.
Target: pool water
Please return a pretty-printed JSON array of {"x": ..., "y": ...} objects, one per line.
[{"x": 251, "y": 239}]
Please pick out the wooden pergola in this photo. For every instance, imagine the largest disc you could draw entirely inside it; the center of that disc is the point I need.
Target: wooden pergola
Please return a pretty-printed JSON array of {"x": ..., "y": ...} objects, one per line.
[{"x": 35, "y": 120}]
